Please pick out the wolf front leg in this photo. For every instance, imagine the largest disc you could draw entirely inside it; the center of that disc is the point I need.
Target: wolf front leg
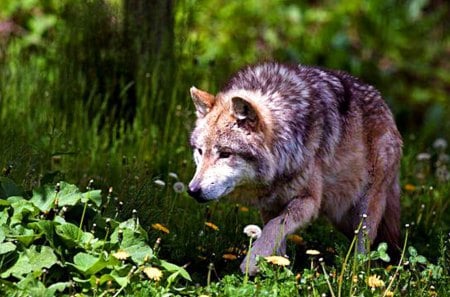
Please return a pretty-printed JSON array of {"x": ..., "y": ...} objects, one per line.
[{"x": 298, "y": 212}]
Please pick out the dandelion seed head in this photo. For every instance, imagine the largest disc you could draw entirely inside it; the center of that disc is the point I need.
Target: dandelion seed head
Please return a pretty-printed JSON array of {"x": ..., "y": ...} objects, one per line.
[
  {"x": 179, "y": 187},
  {"x": 423, "y": 157},
  {"x": 253, "y": 231},
  {"x": 440, "y": 144}
]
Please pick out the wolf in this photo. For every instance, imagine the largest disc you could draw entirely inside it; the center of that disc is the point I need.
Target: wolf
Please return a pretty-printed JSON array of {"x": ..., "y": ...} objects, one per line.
[{"x": 298, "y": 142}]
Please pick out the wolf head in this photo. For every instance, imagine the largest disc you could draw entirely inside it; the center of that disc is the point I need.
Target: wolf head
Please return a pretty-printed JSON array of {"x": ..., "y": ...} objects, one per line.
[{"x": 231, "y": 136}]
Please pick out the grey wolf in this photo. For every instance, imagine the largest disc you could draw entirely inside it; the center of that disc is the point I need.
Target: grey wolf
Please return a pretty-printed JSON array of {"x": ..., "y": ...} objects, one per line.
[{"x": 298, "y": 142}]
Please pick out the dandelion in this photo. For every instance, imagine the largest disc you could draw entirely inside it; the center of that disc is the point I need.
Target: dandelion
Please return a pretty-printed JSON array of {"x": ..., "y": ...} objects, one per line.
[
  {"x": 423, "y": 157},
  {"x": 312, "y": 252},
  {"x": 440, "y": 144},
  {"x": 229, "y": 257},
  {"x": 278, "y": 260},
  {"x": 212, "y": 226},
  {"x": 160, "y": 183},
  {"x": 253, "y": 231},
  {"x": 374, "y": 281},
  {"x": 121, "y": 255},
  {"x": 179, "y": 187},
  {"x": 297, "y": 239},
  {"x": 161, "y": 228},
  {"x": 243, "y": 209},
  {"x": 409, "y": 187},
  {"x": 389, "y": 293},
  {"x": 153, "y": 273}
]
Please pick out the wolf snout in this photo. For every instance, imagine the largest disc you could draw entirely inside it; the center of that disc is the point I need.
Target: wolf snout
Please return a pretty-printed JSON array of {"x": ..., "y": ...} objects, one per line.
[{"x": 195, "y": 191}]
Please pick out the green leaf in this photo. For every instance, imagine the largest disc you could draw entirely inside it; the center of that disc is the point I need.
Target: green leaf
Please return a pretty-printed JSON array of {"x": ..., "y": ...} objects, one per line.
[
  {"x": 22, "y": 209},
  {"x": 412, "y": 251},
  {"x": 175, "y": 268},
  {"x": 24, "y": 235},
  {"x": 6, "y": 247},
  {"x": 139, "y": 253},
  {"x": 44, "y": 197},
  {"x": 8, "y": 188},
  {"x": 92, "y": 196},
  {"x": 73, "y": 236},
  {"x": 382, "y": 247},
  {"x": 90, "y": 264},
  {"x": 385, "y": 257},
  {"x": 421, "y": 259},
  {"x": 120, "y": 279},
  {"x": 31, "y": 260}
]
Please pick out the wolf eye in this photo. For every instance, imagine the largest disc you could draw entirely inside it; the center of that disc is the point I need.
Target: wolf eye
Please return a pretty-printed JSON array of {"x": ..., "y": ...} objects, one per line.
[{"x": 224, "y": 155}]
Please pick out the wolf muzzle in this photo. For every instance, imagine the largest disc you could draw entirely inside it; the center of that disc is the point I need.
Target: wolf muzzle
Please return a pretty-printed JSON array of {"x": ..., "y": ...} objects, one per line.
[{"x": 195, "y": 191}]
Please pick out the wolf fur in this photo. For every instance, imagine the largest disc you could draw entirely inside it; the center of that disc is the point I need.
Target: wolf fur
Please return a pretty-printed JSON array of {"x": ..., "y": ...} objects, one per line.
[{"x": 300, "y": 141}]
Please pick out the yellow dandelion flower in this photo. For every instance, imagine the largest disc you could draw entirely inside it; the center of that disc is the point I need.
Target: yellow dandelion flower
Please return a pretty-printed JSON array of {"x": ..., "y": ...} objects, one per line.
[
  {"x": 298, "y": 276},
  {"x": 355, "y": 279},
  {"x": 121, "y": 255},
  {"x": 243, "y": 209},
  {"x": 312, "y": 252},
  {"x": 409, "y": 187},
  {"x": 389, "y": 294},
  {"x": 278, "y": 260},
  {"x": 153, "y": 273},
  {"x": 374, "y": 281},
  {"x": 212, "y": 226},
  {"x": 297, "y": 239},
  {"x": 229, "y": 257},
  {"x": 160, "y": 227}
]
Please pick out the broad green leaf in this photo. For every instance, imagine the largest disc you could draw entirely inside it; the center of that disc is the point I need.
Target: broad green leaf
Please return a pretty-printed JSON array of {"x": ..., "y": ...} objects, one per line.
[
  {"x": 44, "y": 197},
  {"x": 45, "y": 228},
  {"x": 22, "y": 210},
  {"x": 121, "y": 280},
  {"x": 73, "y": 236},
  {"x": 172, "y": 267},
  {"x": 4, "y": 216},
  {"x": 139, "y": 252},
  {"x": 2, "y": 234},
  {"x": 8, "y": 188},
  {"x": 24, "y": 235},
  {"x": 90, "y": 264},
  {"x": 92, "y": 196},
  {"x": 6, "y": 247},
  {"x": 31, "y": 260}
]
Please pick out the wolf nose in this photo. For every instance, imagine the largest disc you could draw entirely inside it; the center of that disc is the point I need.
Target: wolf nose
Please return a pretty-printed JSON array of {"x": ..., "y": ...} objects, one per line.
[{"x": 195, "y": 191}]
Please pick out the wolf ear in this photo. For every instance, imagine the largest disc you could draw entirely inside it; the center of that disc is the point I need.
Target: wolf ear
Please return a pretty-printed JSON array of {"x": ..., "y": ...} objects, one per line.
[
  {"x": 244, "y": 112},
  {"x": 203, "y": 101}
]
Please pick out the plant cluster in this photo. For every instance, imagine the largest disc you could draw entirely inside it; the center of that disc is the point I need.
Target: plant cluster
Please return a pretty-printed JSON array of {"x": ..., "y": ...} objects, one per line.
[{"x": 57, "y": 242}]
